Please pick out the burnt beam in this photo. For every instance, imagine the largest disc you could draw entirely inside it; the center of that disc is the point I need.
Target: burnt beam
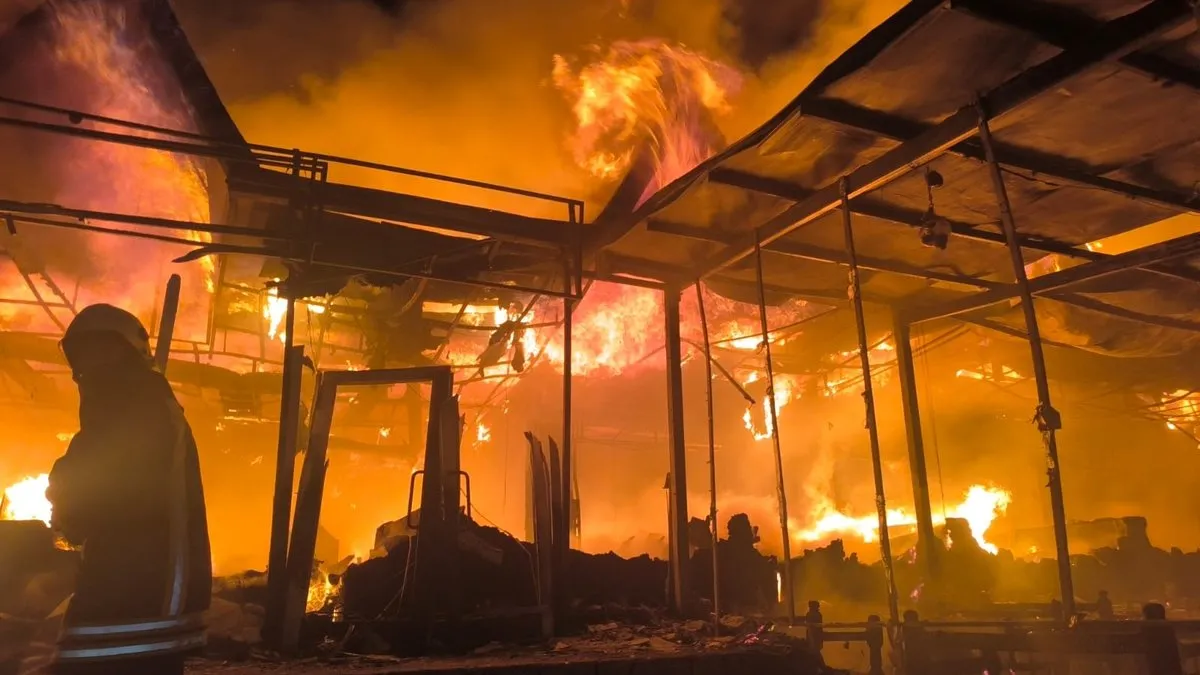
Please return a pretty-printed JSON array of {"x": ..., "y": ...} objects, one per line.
[
  {"x": 666, "y": 275},
  {"x": 1114, "y": 40},
  {"x": 1046, "y": 167},
  {"x": 865, "y": 206},
  {"x": 1172, "y": 249},
  {"x": 824, "y": 255},
  {"x": 1055, "y": 28}
]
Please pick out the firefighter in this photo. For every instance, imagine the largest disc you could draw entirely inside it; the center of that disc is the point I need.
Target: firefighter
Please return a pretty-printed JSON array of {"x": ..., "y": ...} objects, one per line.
[{"x": 128, "y": 491}]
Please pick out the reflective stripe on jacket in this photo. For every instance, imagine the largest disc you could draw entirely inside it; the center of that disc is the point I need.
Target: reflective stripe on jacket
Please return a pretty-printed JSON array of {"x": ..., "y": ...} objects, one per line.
[{"x": 94, "y": 642}]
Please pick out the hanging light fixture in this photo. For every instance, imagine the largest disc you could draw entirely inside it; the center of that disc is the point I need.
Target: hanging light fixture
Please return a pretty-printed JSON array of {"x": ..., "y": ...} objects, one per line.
[{"x": 934, "y": 230}]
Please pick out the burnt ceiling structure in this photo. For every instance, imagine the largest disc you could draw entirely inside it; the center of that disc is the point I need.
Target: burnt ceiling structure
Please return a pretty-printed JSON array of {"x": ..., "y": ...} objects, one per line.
[{"x": 1077, "y": 94}]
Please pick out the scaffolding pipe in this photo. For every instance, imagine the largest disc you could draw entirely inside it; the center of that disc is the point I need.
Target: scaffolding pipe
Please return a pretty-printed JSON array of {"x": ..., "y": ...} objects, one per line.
[
  {"x": 1046, "y": 417},
  {"x": 790, "y": 594},
  {"x": 166, "y": 325},
  {"x": 712, "y": 462},
  {"x": 864, "y": 359}
]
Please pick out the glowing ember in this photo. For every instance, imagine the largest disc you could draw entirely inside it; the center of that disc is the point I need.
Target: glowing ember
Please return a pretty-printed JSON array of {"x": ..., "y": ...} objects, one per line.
[
  {"x": 482, "y": 433},
  {"x": 320, "y": 589},
  {"x": 26, "y": 500},
  {"x": 646, "y": 91},
  {"x": 980, "y": 507}
]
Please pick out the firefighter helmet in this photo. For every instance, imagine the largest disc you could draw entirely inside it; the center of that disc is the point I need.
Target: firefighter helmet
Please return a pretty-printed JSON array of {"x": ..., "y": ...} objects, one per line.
[{"x": 103, "y": 318}]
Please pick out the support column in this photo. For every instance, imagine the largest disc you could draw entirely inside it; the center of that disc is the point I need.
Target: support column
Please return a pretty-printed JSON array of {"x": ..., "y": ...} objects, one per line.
[
  {"x": 864, "y": 358},
  {"x": 1046, "y": 417},
  {"x": 789, "y": 587},
  {"x": 927, "y": 548},
  {"x": 285, "y": 474},
  {"x": 562, "y": 533},
  {"x": 677, "y": 486},
  {"x": 712, "y": 462}
]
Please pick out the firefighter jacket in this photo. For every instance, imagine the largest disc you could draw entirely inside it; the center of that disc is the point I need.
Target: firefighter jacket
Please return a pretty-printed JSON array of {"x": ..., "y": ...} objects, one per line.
[{"x": 129, "y": 491}]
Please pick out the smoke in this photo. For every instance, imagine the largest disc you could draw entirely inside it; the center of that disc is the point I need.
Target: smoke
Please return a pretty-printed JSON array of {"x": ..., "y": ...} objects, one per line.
[{"x": 462, "y": 87}]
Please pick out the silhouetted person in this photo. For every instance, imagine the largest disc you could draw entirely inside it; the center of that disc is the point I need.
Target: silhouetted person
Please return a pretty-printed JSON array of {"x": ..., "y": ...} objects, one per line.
[
  {"x": 1162, "y": 647},
  {"x": 815, "y": 626},
  {"x": 128, "y": 490},
  {"x": 1104, "y": 607}
]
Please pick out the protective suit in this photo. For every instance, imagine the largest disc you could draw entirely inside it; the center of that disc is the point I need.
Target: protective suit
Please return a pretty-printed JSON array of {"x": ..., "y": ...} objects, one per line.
[{"x": 129, "y": 491}]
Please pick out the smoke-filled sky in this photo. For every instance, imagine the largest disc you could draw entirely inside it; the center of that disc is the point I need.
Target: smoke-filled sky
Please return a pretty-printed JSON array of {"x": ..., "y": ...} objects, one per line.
[{"x": 462, "y": 87}]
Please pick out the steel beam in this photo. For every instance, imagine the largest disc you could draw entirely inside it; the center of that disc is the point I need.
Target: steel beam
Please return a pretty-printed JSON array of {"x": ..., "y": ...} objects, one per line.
[
  {"x": 1062, "y": 33},
  {"x": 1113, "y": 40},
  {"x": 1047, "y": 167},
  {"x": 892, "y": 214},
  {"x": 789, "y": 590},
  {"x": 1173, "y": 249},
  {"x": 927, "y": 542},
  {"x": 712, "y": 459},
  {"x": 1046, "y": 417},
  {"x": 824, "y": 255},
  {"x": 678, "y": 531},
  {"x": 864, "y": 359}
]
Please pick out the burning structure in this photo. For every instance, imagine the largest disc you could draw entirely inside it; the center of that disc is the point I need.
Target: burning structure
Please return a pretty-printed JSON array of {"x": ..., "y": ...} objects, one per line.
[{"x": 381, "y": 329}]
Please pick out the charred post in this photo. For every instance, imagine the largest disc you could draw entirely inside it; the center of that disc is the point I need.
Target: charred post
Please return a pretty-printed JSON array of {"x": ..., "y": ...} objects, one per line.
[
  {"x": 562, "y": 541},
  {"x": 678, "y": 545},
  {"x": 789, "y": 595},
  {"x": 281, "y": 507},
  {"x": 864, "y": 358},
  {"x": 1047, "y": 418},
  {"x": 166, "y": 325},
  {"x": 927, "y": 548},
  {"x": 712, "y": 461}
]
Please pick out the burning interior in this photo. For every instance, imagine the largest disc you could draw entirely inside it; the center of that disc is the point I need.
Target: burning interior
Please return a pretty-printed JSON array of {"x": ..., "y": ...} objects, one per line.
[{"x": 576, "y": 320}]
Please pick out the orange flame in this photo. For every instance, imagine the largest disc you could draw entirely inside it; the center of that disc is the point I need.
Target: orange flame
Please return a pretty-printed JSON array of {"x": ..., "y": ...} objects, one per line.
[
  {"x": 980, "y": 507},
  {"x": 26, "y": 500},
  {"x": 646, "y": 91}
]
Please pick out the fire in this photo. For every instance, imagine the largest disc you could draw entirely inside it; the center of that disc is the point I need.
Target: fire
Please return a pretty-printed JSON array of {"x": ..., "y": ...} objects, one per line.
[
  {"x": 782, "y": 395},
  {"x": 482, "y": 433},
  {"x": 320, "y": 588},
  {"x": 26, "y": 500},
  {"x": 614, "y": 327},
  {"x": 646, "y": 91},
  {"x": 980, "y": 507},
  {"x": 275, "y": 310},
  {"x": 98, "y": 48}
]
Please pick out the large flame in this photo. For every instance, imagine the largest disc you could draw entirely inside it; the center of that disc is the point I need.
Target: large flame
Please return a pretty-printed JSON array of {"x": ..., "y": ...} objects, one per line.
[
  {"x": 98, "y": 40},
  {"x": 980, "y": 507},
  {"x": 784, "y": 386},
  {"x": 26, "y": 500},
  {"x": 641, "y": 92}
]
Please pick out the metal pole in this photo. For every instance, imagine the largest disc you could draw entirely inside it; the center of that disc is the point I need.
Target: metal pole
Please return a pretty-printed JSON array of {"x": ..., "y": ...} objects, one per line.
[
  {"x": 677, "y": 494},
  {"x": 712, "y": 462},
  {"x": 927, "y": 549},
  {"x": 166, "y": 325},
  {"x": 1046, "y": 417},
  {"x": 285, "y": 473},
  {"x": 864, "y": 359},
  {"x": 790, "y": 595},
  {"x": 562, "y": 534}
]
